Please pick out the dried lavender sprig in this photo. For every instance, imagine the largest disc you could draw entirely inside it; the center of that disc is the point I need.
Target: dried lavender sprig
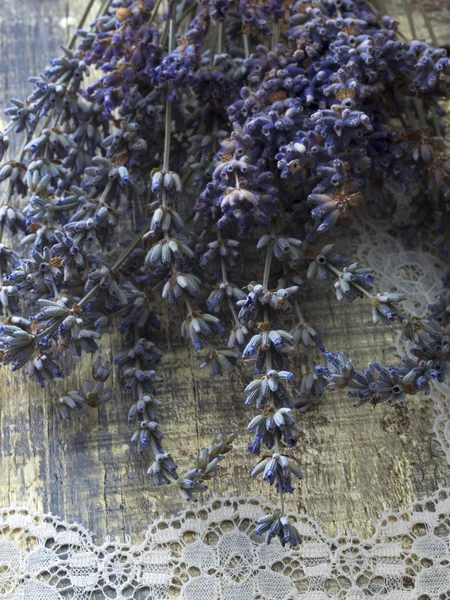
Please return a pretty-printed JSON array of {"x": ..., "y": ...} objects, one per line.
[
  {"x": 427, "y": 360},
  {"x": 166, "y": 254},
  {"x": 275, "y": 420},
  {"x": 171, "y": 253},
  {"x": 265, "y": 284},
  {"x": 354, "y": 280},
  {"x": 46, "y": 333},
  {"x": 220, "y": 252},
  {"x": 206, "y": 466},
  {"x": 92, "y": 395},
  {"x": 21, "y": 153}
]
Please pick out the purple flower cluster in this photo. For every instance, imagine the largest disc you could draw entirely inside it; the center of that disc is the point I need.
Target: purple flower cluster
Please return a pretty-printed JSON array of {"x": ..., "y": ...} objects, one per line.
[
  {"x": 428, "y": 360},
  {"x": 268, "y": 148}
]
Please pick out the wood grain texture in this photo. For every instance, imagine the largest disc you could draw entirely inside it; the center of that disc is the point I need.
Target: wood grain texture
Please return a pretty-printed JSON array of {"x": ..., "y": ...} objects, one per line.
[{"x": 357, "y": 463}]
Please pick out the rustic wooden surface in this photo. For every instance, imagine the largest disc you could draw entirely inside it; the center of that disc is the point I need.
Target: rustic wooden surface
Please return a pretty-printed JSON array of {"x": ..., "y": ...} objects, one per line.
[{"x": 357, "y": 463}]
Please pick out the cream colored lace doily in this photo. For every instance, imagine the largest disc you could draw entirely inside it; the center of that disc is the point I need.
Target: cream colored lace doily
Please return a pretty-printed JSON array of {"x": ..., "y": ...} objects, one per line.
[{"x": 210, "y": 553}]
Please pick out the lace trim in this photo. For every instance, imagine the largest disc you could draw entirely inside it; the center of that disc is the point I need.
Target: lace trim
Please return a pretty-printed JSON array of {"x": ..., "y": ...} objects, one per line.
[
  {"x": 416, "y": 273},
  {"x": 211, "y": 553}
]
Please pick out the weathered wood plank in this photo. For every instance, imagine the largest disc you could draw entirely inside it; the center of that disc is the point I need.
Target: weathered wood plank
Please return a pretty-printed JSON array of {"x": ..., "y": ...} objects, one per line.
[{"x": 357, "y": 463}]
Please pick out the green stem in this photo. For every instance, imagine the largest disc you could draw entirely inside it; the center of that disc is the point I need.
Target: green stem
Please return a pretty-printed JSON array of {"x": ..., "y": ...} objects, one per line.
[
  {"x": 275, "y": 33},
  {"x": 182, "y": 15},
  {"x": 412, "y": 119},
  {"x": 125, "y": 254},
  {"x": 339, "y": 273},
  {"x": 168, "y": 116},
  {"x": 428, "y": 24},
  {"x": 267, "y": 265},
  {"x": 137, "y": 362},
  {"x": 220, "y": 37},
  {"x": 82, "y": 21},
  {"x": 230, "y": 302},
  {"x": 233, "y": 312},
  {"x": 188, "y": 304},
  {"x": 280, "y": 493},
  {"x": 225, "y": 281},
  {"x": 223, "y": 266},
  {"x": 104, "y": 7},
  {"x": 407, "y": 11},
  {"x": 168, "y": 121},
  {"x": 266, "y": 275},
  {"x": 154, "y": 447},
  {"x": 298, "y": 310},
  {"x": 437, "y": 126},
  {"x": 265, "y": 284},
  {"x": 399, "y": 313},
  {"x": 155, "y": 12},
  {"x": 420, "y": 112},
  {"x": 103, "y": 197},
  {"x": 246, "y": 45}
]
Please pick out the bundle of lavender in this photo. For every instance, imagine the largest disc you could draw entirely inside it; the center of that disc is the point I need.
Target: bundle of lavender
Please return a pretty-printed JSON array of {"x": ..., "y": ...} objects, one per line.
[{"x": 269, "y": 123}]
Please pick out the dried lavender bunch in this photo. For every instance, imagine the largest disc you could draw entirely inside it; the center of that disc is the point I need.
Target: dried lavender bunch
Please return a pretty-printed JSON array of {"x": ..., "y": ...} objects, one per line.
[
  {"x": 71, "y": 211},
  {"x": 325, "y": 127},
  {"x": 187, "y": 110}
]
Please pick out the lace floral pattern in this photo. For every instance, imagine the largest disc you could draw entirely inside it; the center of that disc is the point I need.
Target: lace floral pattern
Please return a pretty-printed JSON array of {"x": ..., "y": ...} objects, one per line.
[
  {"x": 416, "y": 273},
  {"x": 210, "y": 553}
]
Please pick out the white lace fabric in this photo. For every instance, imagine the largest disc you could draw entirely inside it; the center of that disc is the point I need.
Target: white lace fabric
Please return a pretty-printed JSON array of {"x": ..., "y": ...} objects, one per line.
[{"x": 210, "y": 552}]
